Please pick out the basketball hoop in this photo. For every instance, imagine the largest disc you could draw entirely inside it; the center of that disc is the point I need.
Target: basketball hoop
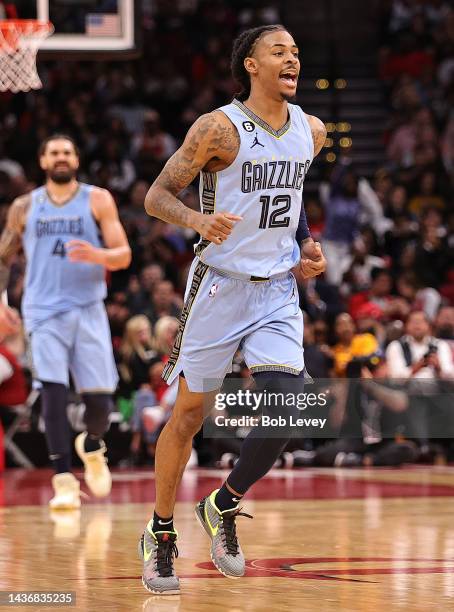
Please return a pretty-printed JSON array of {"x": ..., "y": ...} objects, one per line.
[{"x": 20, "y": 40}]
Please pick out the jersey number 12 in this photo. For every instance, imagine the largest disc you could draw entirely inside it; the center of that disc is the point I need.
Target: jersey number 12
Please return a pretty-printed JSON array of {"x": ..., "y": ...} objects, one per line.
[{"x": 274, "y": 219}]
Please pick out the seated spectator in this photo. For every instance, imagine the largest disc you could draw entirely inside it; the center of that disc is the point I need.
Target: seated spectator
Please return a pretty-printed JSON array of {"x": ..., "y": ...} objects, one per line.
[
  {"x": 164, "y": 301},
  {"x": 140, "y": 289},
  {"x": 318, "y": 359},
  {"x": 444, "y": 323},
  {"x": 418, "y": 354},
  {"x": 368, "y": 412},
  {"x": 379, "y": 295},
  {"x": 426, "y": 299},
  {"x": 165, "y": 332},
  {"x": 137, "y": 353},
  {"x": 426, "y": 195},
  {"x": 433, "y": 258},
  {"x": 350, "y": 344}
]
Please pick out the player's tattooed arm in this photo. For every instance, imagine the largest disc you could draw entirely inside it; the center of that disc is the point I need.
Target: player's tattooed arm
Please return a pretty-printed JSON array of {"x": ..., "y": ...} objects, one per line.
[
  {"x": 212, "y": 144},
  {"x": 11, "y": 237},
  {"x": 318, "y": 130}
]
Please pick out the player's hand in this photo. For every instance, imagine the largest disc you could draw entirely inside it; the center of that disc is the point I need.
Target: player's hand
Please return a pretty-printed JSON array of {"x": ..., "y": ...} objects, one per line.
[
  {"x": 217, "y": 227},
  {"x": 9, "y": 321},
  {"x": 81, "y": 251},
  {"x": 313, "y": 261}
]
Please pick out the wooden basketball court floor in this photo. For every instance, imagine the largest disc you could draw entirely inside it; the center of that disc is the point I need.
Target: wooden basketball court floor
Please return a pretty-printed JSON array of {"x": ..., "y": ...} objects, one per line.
[{"x": 321, "y": 540}]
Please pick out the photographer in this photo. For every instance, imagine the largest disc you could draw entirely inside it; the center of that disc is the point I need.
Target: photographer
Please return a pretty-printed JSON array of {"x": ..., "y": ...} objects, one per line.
[
  {"x": 368, "y": 409},
  {"x": 418, "y": 354},
  {"x": 425, "y": 364}
]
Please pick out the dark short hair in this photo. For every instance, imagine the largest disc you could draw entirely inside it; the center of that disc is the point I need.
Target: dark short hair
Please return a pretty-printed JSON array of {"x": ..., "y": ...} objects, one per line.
[
  {"x": 57, "y": 136},
  {"x": 243, "y": 47},
  {"x": 376, "y": 272}
]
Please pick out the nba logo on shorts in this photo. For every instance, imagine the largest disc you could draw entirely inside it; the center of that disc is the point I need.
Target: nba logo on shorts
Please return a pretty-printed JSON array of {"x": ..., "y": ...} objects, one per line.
[{"x": 213, "y": 290}]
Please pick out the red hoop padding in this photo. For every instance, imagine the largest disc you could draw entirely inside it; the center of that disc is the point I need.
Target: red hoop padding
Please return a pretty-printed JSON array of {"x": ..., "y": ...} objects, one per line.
[{"x": 13, "y": 30}]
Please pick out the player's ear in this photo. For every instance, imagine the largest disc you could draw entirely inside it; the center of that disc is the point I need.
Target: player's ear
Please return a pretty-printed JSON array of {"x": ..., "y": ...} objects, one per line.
[
  {"x": 251, "y": 65},
  {"x": 42, "y": 163}
]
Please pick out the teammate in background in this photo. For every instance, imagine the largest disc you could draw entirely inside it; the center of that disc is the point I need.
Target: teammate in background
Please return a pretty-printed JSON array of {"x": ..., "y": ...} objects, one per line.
[
  {"x": 253, "y": 155},
  {"x": 63, "y": 226}
]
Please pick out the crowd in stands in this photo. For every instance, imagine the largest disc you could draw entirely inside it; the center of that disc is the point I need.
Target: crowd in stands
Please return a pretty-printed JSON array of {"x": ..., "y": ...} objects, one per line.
[{"x": 388, "y": 239}]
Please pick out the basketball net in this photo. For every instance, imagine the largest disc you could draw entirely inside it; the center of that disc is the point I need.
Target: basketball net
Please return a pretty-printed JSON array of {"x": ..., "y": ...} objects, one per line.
[{"x": 20, "y": 40}]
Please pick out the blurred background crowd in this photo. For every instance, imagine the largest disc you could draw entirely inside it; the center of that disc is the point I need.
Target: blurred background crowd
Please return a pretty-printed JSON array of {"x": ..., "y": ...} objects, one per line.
[{"x": 388, "y": 294}]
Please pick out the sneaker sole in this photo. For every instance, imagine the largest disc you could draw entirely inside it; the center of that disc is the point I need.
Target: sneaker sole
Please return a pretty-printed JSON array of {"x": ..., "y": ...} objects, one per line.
[
  {"x": 202, "y": 523},
  {"x": 64, "y": 507},
  {"x": 169, "y": 592}
]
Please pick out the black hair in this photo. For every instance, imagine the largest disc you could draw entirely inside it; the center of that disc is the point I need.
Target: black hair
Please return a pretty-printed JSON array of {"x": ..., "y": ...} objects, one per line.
[
  {"x": 57, "y": 136},
  {"x": 243, "y": 47},
  {"x": 376, "y": 272}
]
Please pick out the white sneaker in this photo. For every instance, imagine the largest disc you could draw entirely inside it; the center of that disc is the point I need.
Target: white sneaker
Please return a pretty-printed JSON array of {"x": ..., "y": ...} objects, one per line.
[
  {"x": 97, "y": 475},
  {"x": 67, "y": 492}
]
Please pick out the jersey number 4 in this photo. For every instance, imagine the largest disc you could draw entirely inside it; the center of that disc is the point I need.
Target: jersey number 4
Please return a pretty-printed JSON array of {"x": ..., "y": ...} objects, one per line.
[
  {"x": 59, "y": 248},
  {"x": 274, "y": 219}
]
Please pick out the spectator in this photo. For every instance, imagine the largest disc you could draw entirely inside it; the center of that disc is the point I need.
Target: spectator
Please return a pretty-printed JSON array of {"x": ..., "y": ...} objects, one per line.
[
  {"x": 166, "y": 330},
  {"x": 164, "y": 301},
  {"x": 418, "y": 354},
  {"x": 350, "y": 344},
  {"x": 137, "y": 352}
]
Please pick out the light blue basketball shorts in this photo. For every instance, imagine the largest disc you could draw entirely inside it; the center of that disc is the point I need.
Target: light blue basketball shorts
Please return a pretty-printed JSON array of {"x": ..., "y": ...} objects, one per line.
[
  {"x": 77, "y": 341},
  {"x": 222, "y": 314}
]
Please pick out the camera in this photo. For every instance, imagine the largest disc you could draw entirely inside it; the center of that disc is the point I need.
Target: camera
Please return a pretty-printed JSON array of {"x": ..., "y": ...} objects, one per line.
[
  {"x": 355, "y": 366},
  {"x": 431, "y": 351}
]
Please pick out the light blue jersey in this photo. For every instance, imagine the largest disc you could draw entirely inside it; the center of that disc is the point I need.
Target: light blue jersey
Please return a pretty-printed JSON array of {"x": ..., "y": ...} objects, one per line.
[
  {"x": 264, "y": 185},
  {"x": 53, "y": 284}
]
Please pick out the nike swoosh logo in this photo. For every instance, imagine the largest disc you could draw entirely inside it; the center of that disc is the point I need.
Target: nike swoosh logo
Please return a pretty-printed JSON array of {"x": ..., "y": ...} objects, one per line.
[
  {"x": 235, "y": 499},
  {"x": 146, "y": 554},
  {"x": 214, "y": 530},
  {"x": 164, "y": 522}
]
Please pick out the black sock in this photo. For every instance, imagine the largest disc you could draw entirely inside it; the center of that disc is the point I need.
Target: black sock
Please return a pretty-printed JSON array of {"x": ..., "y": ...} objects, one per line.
[
  {"x": 61, "y": 463},
  {"x": 225, "y": 499},
  {"x": 162, "y": 524},
  {"x": 91, "y": 444}
]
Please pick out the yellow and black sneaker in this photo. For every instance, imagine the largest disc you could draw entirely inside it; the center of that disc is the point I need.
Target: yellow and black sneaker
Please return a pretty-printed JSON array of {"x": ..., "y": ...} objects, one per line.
[
  {"x": 226, "y": 552},
  {"x": 157, "y": 551}
]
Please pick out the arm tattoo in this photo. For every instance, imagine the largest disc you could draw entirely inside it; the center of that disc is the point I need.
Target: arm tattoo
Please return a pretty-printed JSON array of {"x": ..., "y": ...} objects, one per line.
[
  {"x": 208, "y": 139},
  {"x": 318, "y": 131},
  {"x": 10, "y": 240},
  {"x": 319, "y": 137}
]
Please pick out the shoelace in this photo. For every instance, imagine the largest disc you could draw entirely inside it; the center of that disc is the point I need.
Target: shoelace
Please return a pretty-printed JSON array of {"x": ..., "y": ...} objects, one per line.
[
  {"x": 164, "y": 557},
  {"x": 230, "y": 539}
]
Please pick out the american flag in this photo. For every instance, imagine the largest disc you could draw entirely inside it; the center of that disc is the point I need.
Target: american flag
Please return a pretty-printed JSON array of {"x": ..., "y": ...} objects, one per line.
[{"x": 100, "y": 24}]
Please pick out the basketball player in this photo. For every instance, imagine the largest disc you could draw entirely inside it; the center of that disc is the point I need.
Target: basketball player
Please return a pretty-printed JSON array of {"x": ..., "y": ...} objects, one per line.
[
  {"x": 253, "y": 155},
  {"x": 71, "y": 234}
]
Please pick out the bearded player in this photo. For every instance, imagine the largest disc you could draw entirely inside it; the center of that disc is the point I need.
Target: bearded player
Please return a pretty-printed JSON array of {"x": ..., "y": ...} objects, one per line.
[{"x": 71, "y": 235}]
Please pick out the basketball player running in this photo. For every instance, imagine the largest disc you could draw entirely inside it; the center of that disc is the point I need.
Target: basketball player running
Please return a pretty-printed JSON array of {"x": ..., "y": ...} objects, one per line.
[
  {"x": 253, "y": 155},
  {"x": 59, "y": 225}
]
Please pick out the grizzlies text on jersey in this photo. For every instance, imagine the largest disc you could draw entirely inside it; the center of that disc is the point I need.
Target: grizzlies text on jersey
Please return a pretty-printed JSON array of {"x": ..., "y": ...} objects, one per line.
[{"x": 264, "y": 185}]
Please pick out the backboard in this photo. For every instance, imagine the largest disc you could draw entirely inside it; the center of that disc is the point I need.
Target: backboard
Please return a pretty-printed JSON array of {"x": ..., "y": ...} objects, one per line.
[{"x": 87, "y": 27}]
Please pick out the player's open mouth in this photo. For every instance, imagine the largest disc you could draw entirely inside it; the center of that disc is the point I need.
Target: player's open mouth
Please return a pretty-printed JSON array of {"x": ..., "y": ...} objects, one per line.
[{"x": 289, "y": 78}]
